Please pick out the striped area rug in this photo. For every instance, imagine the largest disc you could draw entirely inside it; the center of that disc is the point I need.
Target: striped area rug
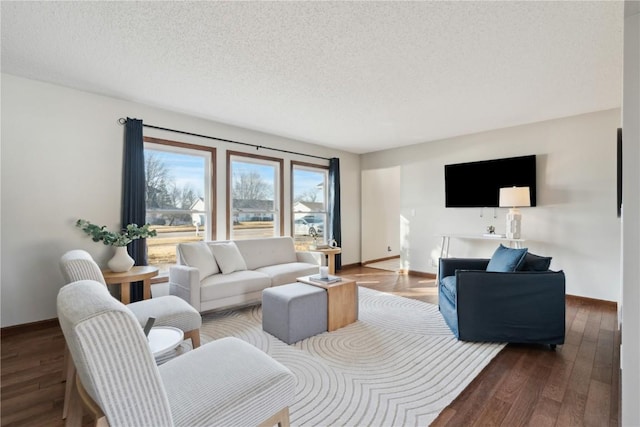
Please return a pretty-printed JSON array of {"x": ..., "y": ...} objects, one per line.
[{"x": 397, "y": 365}]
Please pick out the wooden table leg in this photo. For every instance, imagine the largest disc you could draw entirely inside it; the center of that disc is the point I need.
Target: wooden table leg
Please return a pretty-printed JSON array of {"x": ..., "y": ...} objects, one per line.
[
  {"x": 146, "y": 291},
  {"x": 331, "y": 262},
  {"x": 342, "y": 305},
  {"x": 125, "y": 292}
]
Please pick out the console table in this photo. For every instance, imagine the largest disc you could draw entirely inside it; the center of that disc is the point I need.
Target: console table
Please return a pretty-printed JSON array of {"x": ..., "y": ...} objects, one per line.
[{"x": 444, "y": 251}]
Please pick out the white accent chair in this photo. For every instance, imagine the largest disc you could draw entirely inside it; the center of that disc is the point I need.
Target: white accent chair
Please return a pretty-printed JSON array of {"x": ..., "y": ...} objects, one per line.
[
  {"x": 168, "y": 310},
  {"x": 227, "y": 382}
]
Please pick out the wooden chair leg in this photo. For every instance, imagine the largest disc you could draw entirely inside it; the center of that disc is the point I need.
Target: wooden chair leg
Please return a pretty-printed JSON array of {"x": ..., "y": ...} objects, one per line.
[
  {"x": 281, "y": 418},
  {"x": 102, "y": 422},
  {"x": 284, "y": 420},
  {"x": 67, "y": 355},
  {"x": 73, "y": 406},
  {"x": 90, "y": 405},
  {"x": 70, "y": 370},
  {"x": 195, "y": 337}
]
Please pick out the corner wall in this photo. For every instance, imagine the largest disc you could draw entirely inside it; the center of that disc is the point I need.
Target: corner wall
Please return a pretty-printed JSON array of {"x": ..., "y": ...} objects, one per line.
[
  {"x": 62, "y": 160},
  {"x": 630, "y": 349},
  {"x": 575, "y": 221}
]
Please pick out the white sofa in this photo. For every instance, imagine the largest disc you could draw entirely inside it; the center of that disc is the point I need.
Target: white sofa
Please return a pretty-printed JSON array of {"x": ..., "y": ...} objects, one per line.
[{"x": 220, "y": 274}]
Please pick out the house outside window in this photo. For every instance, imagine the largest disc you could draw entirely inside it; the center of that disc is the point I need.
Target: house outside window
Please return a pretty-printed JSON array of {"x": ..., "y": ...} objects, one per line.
[
  {"x": 254, "y": 196},
  {"x": 309, "y": 204},
  {"x": 179, "y": 197}
]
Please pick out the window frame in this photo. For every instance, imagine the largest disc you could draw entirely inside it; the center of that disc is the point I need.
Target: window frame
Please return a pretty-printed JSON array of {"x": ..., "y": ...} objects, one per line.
[
  {"x": 279, "y": 202},
  {"x": 212, "y": 208},
  {"x": 325, "y": 169}
]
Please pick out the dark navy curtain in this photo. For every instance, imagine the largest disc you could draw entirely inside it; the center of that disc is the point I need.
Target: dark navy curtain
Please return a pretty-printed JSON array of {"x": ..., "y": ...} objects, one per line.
[
  {"x": 334, "y": 205},
  {"x": 133, "y": 199}
]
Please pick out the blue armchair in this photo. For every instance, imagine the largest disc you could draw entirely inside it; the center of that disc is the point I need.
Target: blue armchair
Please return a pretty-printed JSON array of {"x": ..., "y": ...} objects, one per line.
[{"x": 516, "y": 307}]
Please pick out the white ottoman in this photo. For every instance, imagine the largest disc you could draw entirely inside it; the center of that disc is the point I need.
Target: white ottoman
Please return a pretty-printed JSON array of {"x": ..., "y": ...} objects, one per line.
[{"x": 294, "y": 312}]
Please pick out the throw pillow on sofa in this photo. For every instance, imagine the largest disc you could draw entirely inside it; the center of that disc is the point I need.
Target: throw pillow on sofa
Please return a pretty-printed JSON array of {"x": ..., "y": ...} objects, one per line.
[
  {"x": 534, "y": 262},
  {"x": 228, "y": 257},
  {"x": 505, "y": 260},
  {"x": 198, "y": 255}
]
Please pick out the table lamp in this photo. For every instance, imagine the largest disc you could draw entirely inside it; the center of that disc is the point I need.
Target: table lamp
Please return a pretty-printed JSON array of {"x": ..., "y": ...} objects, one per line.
[{"x": 513, "y": 198}]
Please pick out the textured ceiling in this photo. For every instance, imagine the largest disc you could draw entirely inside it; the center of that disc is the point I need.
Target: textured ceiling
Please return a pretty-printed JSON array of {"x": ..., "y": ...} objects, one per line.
[{"x": 359, "y": 76}]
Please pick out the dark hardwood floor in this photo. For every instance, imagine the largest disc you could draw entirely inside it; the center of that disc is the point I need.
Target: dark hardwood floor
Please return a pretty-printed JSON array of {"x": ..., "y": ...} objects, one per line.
[{"x": 578, "y": 384}]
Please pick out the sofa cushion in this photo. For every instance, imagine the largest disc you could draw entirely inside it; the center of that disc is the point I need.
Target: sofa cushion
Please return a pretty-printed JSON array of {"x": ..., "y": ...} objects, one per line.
[
  {"x": 271, "y": 251},
  {"x": 448, "y": 288},
  {"x": 233, "y": 284},
  {"x": 534, "y": 262},
  {"x": 287, "y": 273},
  {"x": 198, "y": 255},
  {"x": 228, "y": 257},
  {"x": 506, "y": 259}
]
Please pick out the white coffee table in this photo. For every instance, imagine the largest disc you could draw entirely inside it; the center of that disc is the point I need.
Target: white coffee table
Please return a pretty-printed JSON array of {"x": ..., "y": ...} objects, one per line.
[{"x": 163, "y": 339}]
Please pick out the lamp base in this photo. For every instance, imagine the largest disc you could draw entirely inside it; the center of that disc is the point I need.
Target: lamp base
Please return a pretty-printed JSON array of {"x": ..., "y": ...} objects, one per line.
[{"x": 513, "y": 223}]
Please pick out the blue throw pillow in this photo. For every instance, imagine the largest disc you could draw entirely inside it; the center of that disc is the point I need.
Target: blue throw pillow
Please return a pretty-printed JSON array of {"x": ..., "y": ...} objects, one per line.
[
  {"x": 506, "y": 259},
  {"x": 534, "y": 262}
]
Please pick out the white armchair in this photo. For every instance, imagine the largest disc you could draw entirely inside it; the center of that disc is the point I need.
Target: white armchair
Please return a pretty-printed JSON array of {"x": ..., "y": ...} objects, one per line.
[
  {"x": 226, "y": 382},
  {"x": 167, "y": 310}
]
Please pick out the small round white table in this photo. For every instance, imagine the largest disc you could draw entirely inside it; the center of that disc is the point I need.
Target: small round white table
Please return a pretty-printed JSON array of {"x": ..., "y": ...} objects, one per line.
[{"x": 163, "y": 339}]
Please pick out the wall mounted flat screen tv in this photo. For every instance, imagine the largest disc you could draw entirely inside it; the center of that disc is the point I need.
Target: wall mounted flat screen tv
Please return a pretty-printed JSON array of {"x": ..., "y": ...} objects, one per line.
[{"x": 477, "y": 184}]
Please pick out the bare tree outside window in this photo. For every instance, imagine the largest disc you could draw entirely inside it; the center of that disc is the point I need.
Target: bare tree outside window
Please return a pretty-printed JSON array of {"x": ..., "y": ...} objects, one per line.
[
  {"x": 254, "y": 204},
  {"x": 164, "y": 193},
  {"x": 249, "y": 185},
  {"x": 310, "y": 195},
  {"x": 157, "y": 178}
]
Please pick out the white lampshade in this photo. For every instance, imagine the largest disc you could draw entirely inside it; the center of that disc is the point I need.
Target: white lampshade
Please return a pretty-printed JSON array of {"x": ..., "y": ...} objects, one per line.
[{"x": 512, "y": 197}]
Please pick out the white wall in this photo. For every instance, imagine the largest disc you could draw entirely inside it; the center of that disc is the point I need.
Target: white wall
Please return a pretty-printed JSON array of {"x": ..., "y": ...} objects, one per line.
[
  {"x": 575, "y": 221},
  {"x": 62, "y": 160},
  {"x": 381, "y": 221},
  {"x": 630, "y": 349}
]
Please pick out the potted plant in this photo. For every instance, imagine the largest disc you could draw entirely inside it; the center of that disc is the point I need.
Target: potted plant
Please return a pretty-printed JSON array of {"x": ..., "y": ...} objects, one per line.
[{"x": 121, "y": 261}]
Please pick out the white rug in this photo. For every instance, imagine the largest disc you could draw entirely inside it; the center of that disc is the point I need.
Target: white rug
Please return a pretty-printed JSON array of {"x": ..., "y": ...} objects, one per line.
[{"x": 397, "y": 365}]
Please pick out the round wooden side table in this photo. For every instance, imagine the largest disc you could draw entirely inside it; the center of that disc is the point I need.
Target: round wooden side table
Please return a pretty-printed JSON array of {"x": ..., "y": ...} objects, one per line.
[
  {"x": 142, "y": 273},
  {"x": 331, "y": 257}
]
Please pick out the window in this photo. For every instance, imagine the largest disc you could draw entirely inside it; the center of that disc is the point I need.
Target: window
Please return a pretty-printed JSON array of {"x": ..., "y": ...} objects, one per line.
[
  {"x": 309, "y": 206},
  {"x": 179, "y": 196},
  {"x": 254, "y": 188}
]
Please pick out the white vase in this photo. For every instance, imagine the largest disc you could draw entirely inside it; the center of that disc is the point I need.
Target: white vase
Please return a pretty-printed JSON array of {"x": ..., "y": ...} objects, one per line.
[{"x": 121, "y": 260}]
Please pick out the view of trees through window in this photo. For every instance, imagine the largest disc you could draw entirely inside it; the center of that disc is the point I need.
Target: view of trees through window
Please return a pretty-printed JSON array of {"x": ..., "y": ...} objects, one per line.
[
  {"x": 254, "y": 197},
  {"x": 309, "y": 206},
  {"x": 176, "y": 199},
  {"x": 164, "y": 195}
]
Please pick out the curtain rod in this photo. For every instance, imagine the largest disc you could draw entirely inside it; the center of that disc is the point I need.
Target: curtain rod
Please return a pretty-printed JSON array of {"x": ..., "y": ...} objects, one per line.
[{"x": 257, "y": 147}]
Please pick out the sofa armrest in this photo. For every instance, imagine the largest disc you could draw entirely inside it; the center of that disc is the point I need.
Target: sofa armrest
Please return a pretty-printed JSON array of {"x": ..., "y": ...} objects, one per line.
[
  {"x": 184, "y": 282},
  {"x": 308, "y": 257},
  {"x": 448, "y": 266},
  {"x": 529, "y": 306}
]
